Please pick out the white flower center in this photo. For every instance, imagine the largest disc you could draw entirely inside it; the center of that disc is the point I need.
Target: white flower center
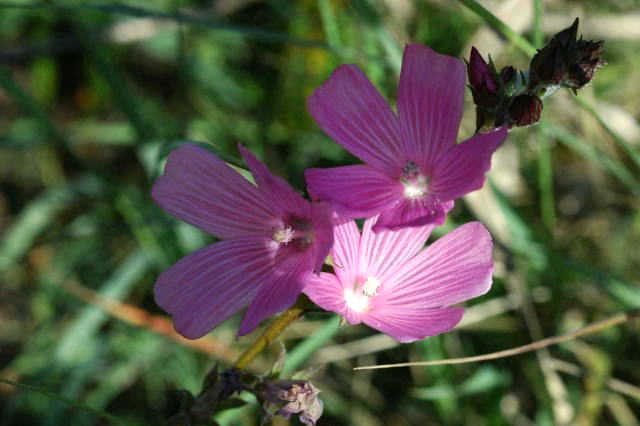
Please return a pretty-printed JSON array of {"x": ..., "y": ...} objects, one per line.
[
  {"x": 417, "y": 189},
  {"x": 282, "y": 234},
  {"x": 356, "y": 302},
  {"x": 415, "y": 184},
  {"x": 358, "y": 297}
]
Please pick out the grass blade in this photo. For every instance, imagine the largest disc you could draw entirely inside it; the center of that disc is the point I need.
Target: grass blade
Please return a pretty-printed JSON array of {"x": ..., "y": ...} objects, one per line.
[{"x": 77, "y": 405}]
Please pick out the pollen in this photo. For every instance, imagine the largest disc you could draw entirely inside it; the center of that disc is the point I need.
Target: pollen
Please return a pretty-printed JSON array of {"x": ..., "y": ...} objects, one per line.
[
  {"x": 282, "y": 234},
  {"x": 370, "y": 288}
]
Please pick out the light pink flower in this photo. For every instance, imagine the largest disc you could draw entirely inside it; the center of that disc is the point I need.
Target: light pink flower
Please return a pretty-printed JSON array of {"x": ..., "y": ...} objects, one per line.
[
  {"x": 386, "y": 281},
  {"x": 273, "y": 240},
  {"x": 414, "y": 167}
]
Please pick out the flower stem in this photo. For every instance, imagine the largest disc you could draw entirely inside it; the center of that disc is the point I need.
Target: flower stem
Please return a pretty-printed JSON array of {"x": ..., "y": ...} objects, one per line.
[
  {"x": 589, "y": 329},
  {"x": 272, "y": 332}
]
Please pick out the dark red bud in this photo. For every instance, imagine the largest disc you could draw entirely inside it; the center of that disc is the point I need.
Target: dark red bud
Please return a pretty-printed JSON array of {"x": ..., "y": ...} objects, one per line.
[
  {"x": 568, "y": 35},
  {"x": 566, "y": 61},
  {"x": 507, "y": 73},
  {"x": 480, "y": 73},
  {"x": 484, "y": 97},
  {"x": 547, "y": 67},
  {"x": 525, "y": 110},
  {"x": 477, "y": 67},
  {"x": 586, "y": 61}
]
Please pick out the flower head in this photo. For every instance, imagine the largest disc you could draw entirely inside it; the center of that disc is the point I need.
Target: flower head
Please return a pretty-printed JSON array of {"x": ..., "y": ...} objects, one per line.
[
  {"x": 294, "y": 397},
  {"x": 566, "y": 61},
  {"x": 272, "y": 241},
  {"x": 414, "y": 168},
  {"x": 387, "y": 282}
]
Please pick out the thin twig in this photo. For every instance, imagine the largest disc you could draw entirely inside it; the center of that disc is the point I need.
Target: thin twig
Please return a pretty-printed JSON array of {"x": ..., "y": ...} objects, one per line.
[
  {"x": 156, "y": 323},
  {"x": 589, "y": 329}
]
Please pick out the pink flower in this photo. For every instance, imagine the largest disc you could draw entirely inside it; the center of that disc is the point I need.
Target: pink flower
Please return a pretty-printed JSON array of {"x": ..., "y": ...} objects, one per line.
[
  {"x": 414, "y": 167},
  {"x": 386, "y": 281},
  {"x": 273, "y": 240}
]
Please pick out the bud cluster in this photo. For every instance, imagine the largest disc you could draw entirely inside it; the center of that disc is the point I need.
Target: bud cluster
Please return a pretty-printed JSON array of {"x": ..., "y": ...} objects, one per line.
[
  {"x": 514, "y": 99},
  {"x": 220, "y": 391}
]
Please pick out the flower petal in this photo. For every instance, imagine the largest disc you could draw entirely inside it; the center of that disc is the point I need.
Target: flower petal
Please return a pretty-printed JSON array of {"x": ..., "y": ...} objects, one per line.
[
  {"x": 277, "y": 192},
  {"x": 411, "y": 213},
  {"x": 455, "y": 268},
  {"x": 463, "y": 168},
  {"x": 209, "y": 285},
  {"x": 346, "y": 250},
  {"x": 327, "y": 291},
  {"x": 278, "y": 292},
  {"x": 381, "y": 253},
  {"x": 350, "y": 110},
  {"x": 203, "y": 190},
  {"x": 408, "y": 323},
  {"x": 430, "y": 101},
  {"x": 355, "y": 191},
  {"x": 322, "y": 218}
]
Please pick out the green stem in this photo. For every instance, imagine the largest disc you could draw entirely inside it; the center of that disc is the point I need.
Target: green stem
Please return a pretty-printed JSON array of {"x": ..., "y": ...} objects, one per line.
[
  {"x": 519, "y": 41},
  {"x": 536, "y": 30},
  {"x": 272, "y": 332},
  {"x": 545, "y": 178}
]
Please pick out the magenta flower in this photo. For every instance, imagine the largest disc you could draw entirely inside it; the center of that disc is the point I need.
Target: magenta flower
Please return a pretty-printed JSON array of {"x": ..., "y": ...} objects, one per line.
[
  {"x": 386, "y": 281},
  {"x": 273, "y": 240},
  {"x": 414, "y": 167}
]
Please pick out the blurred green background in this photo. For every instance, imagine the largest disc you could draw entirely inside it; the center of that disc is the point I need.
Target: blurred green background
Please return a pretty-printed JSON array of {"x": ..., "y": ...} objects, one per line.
[{"x": 93, "y": 96}]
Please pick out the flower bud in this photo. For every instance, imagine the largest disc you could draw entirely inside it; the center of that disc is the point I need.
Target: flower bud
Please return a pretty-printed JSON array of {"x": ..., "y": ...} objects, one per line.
[
  {"x": 507, "y": 73},
  {"x": 294, "y": 397},
  {"x": 565, "y": 61},
  {"x": 484, "y": 87},
  {"x": 587, "y": 60},
  {"x": 547, "y": 67},
  {"x": 525, "y": 110},
  {"x": 231, "y": 383}
]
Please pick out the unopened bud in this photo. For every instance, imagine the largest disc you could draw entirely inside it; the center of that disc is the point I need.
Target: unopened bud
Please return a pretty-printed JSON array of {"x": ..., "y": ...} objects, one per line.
[
  {"x": 231, "y": 383},
  {"x": 484, "y": 87},
  {"x": 566, "y": 61},
  {"x": 507, "y": 73},
  {"x": 587, "y": 60},
  {"x": 547, "y": 67},
  {"x": 525, "y": 110}
]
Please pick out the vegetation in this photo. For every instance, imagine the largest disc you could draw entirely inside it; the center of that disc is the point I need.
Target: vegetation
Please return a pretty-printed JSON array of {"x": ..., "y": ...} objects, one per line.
[{"x": 94, "y": 95}]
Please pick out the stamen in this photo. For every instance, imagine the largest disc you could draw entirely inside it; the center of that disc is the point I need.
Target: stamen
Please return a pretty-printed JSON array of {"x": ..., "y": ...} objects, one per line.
[
  {"x": 370, "y": 288},
  {"x": 415, "y": 184},
  {"x": 356, "y": 302},
  {"x": 282, "y": 234},
  {"x": 358, "y": 297},
  {"x": 410, "y": 171}
]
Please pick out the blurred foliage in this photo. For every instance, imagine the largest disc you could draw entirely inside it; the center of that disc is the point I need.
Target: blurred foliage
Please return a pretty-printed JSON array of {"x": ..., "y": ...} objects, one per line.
[{"x": 93, "y": 95}]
